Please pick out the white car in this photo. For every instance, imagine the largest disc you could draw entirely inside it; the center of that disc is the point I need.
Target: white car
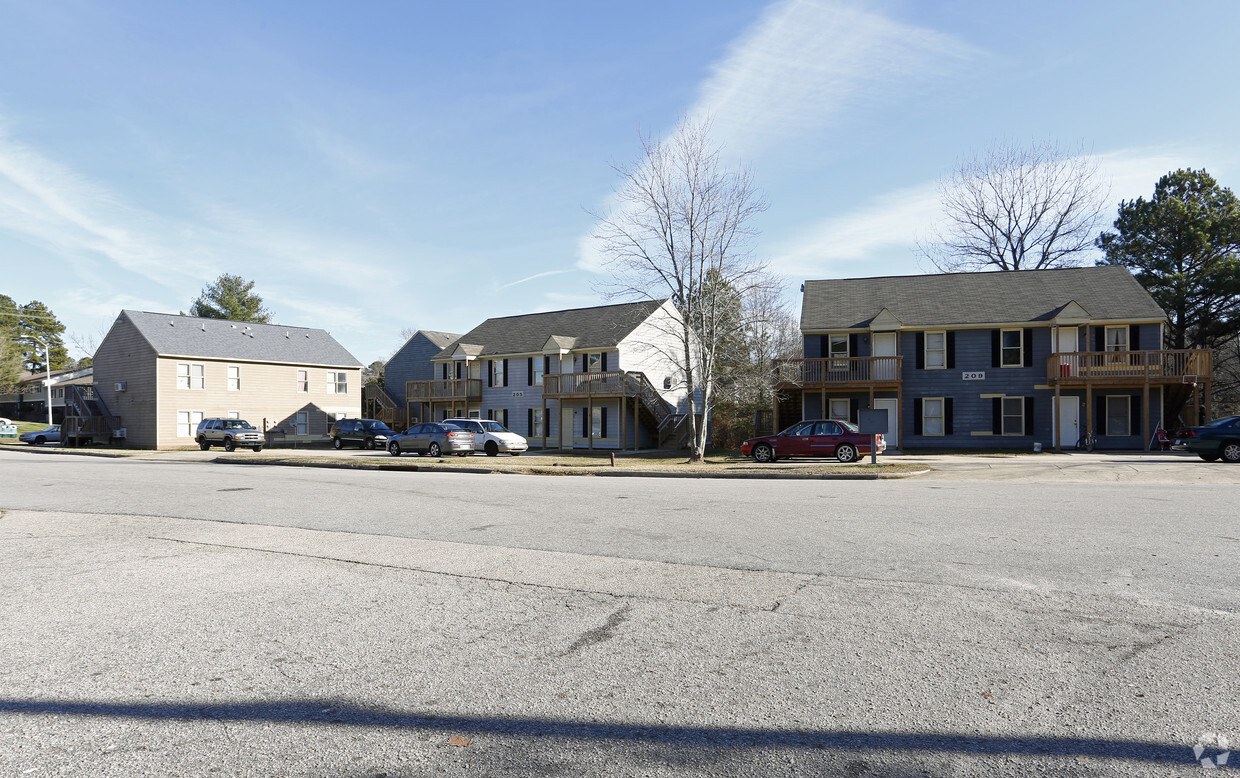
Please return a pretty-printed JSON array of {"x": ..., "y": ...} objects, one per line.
[{"x": 491, "y": 436}]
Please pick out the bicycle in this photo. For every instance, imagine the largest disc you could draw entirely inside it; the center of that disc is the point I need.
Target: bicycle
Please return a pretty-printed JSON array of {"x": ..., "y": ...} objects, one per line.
[{"x": 1087, "y": 442}]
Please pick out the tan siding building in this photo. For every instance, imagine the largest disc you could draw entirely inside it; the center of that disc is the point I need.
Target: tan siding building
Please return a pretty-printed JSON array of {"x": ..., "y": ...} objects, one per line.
[{"x": 162, "y": 374}]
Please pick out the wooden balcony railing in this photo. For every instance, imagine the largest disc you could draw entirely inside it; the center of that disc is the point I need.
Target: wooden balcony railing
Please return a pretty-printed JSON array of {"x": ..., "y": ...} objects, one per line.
[
  {"x": 1156, "y": 367},
  {"x": 857, "y": 371},
  {"x": 585, "y": 384},
  {"x": 444, "y": 389}
]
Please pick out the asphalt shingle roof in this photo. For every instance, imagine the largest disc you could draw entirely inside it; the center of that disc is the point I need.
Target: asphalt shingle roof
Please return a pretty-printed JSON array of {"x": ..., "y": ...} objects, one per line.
[
  {"x": 191, "y": 336},
  {"x": 600, "y": 327},
  {"x": 1106, "y": 293}
]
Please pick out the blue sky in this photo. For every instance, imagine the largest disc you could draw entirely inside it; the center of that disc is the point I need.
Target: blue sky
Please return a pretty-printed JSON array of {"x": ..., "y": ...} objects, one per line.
[{"x": 377, "y": 166}]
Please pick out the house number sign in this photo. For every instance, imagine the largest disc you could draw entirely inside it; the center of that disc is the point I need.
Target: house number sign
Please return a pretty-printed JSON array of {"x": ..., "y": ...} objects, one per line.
[
  {"x": 978, "y": 376},
  {"x": 518, "y": 394}
]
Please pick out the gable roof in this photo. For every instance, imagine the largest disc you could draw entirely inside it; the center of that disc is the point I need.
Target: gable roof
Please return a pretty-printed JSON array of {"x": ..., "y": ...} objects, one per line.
[
  {"x": 437, "y": 339},
  {"x": 1108, "y": 293},
  {"x": 191, "y": 336},
  {"x": 600, "y": 327}
]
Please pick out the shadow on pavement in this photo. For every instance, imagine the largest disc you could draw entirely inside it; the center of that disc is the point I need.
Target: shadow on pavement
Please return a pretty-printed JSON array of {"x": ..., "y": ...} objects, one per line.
[{"x": 329, "y": 712}]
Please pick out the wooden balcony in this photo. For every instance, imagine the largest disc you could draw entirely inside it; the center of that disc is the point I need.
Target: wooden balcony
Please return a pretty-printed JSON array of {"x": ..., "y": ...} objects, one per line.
[
  {"x": 444, "y": 390},
  {"x": 567, "y": 386},
  {"x": 840, "y": 373},
  {"x": 1129, "y": 368}
]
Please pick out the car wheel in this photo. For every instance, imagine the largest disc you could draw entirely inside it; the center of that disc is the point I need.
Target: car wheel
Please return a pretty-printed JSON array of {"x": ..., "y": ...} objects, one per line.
[
  {"x": 203, "y": 444},
  {"x": 229, "y": 445},
  {"x": 337, "y": 443},
  {"x": 763, "y": 453},
  {"x": 367, "y": 444},
  {"x": 394, "y": 448},
  {"x": 846, "y": 452},
  {"x": 257, "y": 449},
  {"x": 1230, "y": 451},
  {"x": 1208, "y": 457},
  {"x": 492, "y": 449},
  {"x": 39, "y": 441},
  {"x": 433, "y": 449}
]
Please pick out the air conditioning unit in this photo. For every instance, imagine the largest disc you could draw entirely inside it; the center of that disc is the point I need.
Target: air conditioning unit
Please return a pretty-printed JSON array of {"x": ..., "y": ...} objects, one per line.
[
  {"x": 120, "y": 386},
  {"x": 119, "y": 432}
]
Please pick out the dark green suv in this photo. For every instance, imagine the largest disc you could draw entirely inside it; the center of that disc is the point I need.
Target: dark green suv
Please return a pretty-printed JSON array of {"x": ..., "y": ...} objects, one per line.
[{"x": 366, "y": 433}]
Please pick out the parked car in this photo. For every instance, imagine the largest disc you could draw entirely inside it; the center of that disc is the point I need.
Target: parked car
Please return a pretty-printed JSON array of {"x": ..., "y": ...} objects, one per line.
[
  {"x": 229, "y": 433},
  {"x": 492, "y": 437},
  {"x": 1220, "y": 439},
  {"x": 433, "y": 438},
  {"x": 366, "y": 433},
  {"x": 39, "y": 437},
  {"x": 813, "y": 438}
]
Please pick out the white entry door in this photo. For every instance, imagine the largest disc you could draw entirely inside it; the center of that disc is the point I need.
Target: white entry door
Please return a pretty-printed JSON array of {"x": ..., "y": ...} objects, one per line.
[
  {"x": 892, "y": 406},
  {"x": 1069, "y": 421},
  {"x": 1066, "y": 343},
  {"x": 885, "y": 346},
  {"x": 566, "y": 428}
]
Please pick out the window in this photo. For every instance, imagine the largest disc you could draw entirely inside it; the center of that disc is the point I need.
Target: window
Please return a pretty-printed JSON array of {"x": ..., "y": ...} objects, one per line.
[
  {"x": 88, "y": 392},
  {"x": 594, "y": 363},
  {"x": 931, "y": 408},
  {"x": 337, "y": 382},
  {"x": 1118, "y": 414},
  {"x": 495, "y": 414},
  {"x": 936, "y": 350},
  {"x": 1117, "y": 339},
  {"x": 187, "y": 423},
  {"x": 598, "y": 421},
  {"x": 191, "y": 375},
  {"x": 837, "y": 347},
  {"x": 1013, "y": 415},
  {"x": 839, "y": 409},
  {"x": 332, "y": 418},
  {"x": 536, "y": 367},
  {"x": 1010, "y": 348},
  {"x": 234, "y": 378},
  {"x": 497, "y": 372},
  {"x": 303, "y": 380},
  {"x": 234, "y": 414},
  {"x": 302, "y": 420},
  {"x": 536, "y": 422}
]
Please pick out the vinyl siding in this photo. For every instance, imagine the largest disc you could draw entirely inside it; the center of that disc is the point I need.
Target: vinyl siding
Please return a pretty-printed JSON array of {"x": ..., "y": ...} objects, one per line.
[
  {"x": 411, "y": 363},
  {"x": 125, "y": 356}
]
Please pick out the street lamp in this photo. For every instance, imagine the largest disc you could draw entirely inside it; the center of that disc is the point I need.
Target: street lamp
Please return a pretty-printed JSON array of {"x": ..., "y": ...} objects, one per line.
[{"x": 47, "y": 363}]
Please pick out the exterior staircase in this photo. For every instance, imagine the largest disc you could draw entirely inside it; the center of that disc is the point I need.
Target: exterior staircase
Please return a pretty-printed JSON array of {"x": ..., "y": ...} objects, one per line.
[{"x": 87, "y": 419}]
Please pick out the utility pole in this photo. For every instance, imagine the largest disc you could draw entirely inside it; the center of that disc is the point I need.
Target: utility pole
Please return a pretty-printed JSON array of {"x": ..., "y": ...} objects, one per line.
[{"x": 47, "y": 363}]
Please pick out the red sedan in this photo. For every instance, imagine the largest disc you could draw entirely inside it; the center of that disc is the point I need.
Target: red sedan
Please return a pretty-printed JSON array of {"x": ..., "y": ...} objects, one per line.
[{"x": 813, "y": 438}]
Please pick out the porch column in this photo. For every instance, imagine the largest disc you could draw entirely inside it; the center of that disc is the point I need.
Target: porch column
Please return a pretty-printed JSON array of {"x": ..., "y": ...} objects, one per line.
[
  {"x": 1145, "y": 412},
  {"x": 589, "y": 420},
  {"x": 546, "y": 423},
  {"x": 822, "y": 401},
  {"x": 1089, "y": 408},
  {"x": 1206, "y": 400},
  {"x": 624, "y": 407},
  {"x": 1056, "y": 422},
  {"x": 636, "y": 421},
  {"x": 900, "y": 414}
]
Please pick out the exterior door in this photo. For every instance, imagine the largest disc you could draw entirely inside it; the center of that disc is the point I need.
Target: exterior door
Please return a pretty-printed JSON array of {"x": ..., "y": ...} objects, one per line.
[
  {"x": 892, "y": 406},
  {"x": 567, "y": 429},
  {"x": 1066, "y": 343},
  {"x": 1069, "y": 421},
  {"x": 884, "y": 346}
]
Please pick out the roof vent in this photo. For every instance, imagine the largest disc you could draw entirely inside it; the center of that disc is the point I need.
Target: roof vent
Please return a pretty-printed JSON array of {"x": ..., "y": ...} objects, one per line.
[
  {"x": 234, "y": 326},
  {"x": 172, "y": 324},
  {"x": 204, "y": 326}
]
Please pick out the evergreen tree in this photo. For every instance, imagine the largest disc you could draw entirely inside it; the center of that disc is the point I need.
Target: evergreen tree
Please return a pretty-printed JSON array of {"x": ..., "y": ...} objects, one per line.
[{"x": 230, "y": 297}]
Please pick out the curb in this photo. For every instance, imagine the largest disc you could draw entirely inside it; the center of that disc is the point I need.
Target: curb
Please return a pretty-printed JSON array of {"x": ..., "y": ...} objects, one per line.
[{"x": 548, "y": 471}]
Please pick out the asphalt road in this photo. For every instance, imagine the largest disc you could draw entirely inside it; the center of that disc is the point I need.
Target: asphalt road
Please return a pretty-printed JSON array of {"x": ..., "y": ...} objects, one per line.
[{"x": 187, "y": 618}]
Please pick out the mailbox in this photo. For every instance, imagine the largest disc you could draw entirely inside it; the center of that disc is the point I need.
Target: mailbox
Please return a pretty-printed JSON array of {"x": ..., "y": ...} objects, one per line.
[{"x": 873, "y": 422}]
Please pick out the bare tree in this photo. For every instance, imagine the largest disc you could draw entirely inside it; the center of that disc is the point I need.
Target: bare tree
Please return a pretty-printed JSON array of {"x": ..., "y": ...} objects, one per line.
[
  {"x": 680, "y": 230},
  {"x": 1018, "y": 208}
]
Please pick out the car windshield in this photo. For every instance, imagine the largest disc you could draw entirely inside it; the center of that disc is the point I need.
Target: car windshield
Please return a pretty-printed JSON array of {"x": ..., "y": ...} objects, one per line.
[
  {"x": 376, "y": 425},
  {"x": 236, "y": 424},
  {"x": 493, "y": 426}
]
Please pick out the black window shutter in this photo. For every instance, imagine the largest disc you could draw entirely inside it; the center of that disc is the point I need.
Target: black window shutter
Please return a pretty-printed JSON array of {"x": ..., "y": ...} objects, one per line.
[
  {"x": 603, "y": 365},
  {"x": 505, "y": 421},
  {"x": 1100, "y": 415},
  {"x": 585, "y": 423},
  {"x": 490, "y": 372},
  {"x": 529, "y": 422},
  {"x": 996, "y": 415},
  {"x": 824, "y": 346},
  {"x": 505, "y": 372},
  {"x": 602, "y": 427},
  {"x": 1028, "y": 415},
  {"x": 948, "y": 408},
  {"x": 1134, "y": 409},
  {"x": 853, "y": 404},
  {"x": 1100, "y": 338},
  {"x": 444, "y": 371},
  {"x": 917, "y": 416},
  {"x": 951, "y": 349},
  {"x": 529, "y": 371},
  {"x": 1028, "y": 347},
  {"x": 921, "y": 351},
  {"x": 994, "y": 348},
  {"x": 546, "y": 364},
  {"x": 1134, "y": 337},
  {"x": 854, "y": 341}
]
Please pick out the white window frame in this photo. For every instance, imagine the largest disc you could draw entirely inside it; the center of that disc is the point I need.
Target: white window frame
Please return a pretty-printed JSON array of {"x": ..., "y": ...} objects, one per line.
[
  {"x": 941, "y": 351},
  {"x": 303, "y": 381},
  {"x": 187, "y": 423},
  {"x": 538, "y": 371},
  {"x": 234, "y": 415},
  {"x": 496, "y": 414},
  {"x": 835, "y": 402},
  {"x": 538, "y": 430},
  {"x": 193, "y": 373},
  {"x": 1005, "y": 403},
  {"x": 596, "y": 422},
  {"x": 594, "y": 362},
  {"x": 1005, "y": 349},
  {"x": 337, "y": 382},
  {"x": 497, "y": 372},
  {"x": 1121, "y": 343},
  {"x": 927, "y": 417},
  {"x": 1127, "y": 399},
  {"x": 301, "y": 423},
  {"x": 474, "y": 413},
  {"x": 234, "y": 378}
]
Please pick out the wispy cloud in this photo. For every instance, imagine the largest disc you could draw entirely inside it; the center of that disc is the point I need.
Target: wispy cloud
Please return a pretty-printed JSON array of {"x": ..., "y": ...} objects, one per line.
[
  {"x": 806, "y": 61},
  {"x": 538, "y": 275}
]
